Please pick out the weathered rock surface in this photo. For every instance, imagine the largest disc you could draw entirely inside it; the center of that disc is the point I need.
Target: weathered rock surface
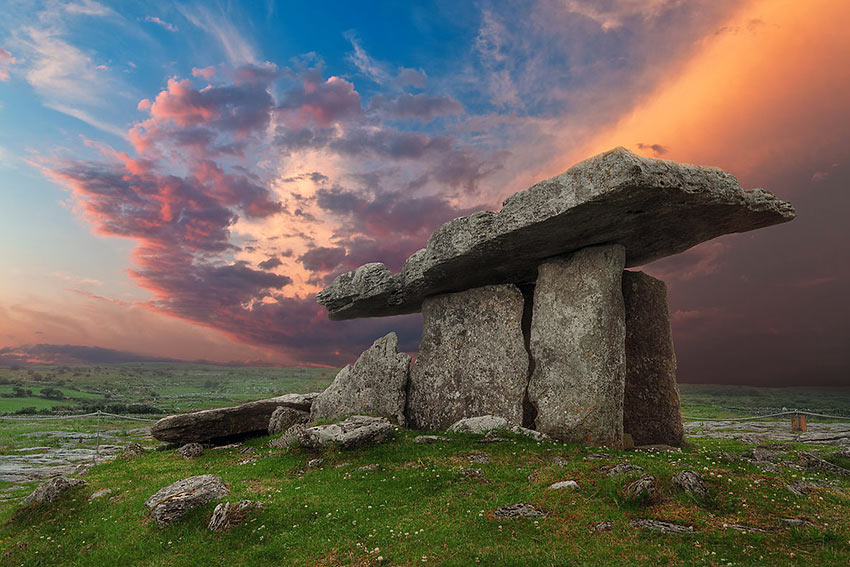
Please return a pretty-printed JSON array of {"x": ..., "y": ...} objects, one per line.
[
  {"x": 814, "y": 462},
  {"x": 376, "y": 384},
  {"x": 564, "y": 484},
  {"x": 651, "y": 408},
  {"x": 227, "y": 515},
  {"x": 621, "y": 469},
  {"x": 661, "y": 526},
  {"x": 50, "y": 490},
  {"x": 430, "y": 439},
  {"x": 654, "y": 208},
  {"x": 691, "y": 483},
  {"x": 191, "y": 450},
  {"x": 289, "y": 438},
  {"x": 577, "y": 344},
  {"x": 521, "y": 510},
  {"x": 205, "y": 425},
  {"x": 284, "y": 417},
  {"x": 644, "y": 487},
  {"x": 472, "y": 359},
  {"x": 100, "y": 494},
  {"x": 478, "y": 424},
  {"x": 173, "y": 501},
  {"x": 356, "y": 431}
]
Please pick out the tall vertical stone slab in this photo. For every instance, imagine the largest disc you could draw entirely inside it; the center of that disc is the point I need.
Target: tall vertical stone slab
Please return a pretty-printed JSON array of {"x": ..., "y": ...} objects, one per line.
[
  {"x": 651, "y": 408},
  {"x": 472, "y": 359},
  {"x": 577, "y": 343},
  {"x": 376, "y": 384}
]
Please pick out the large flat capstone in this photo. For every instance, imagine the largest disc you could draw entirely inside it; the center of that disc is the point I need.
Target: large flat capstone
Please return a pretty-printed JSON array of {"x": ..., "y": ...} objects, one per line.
[
  {"x": 577, "y": 343},
  {"x": 374, "y": 385},
  {"x": 201, "y": 426},
  {"x": 651, "y": 408},
  {"x": 653, "y": 208},
  {"x": 472, "y": 359}
]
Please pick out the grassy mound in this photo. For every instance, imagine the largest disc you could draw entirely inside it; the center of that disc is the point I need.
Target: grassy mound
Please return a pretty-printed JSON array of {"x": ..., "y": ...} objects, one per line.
[{"x": 418, "y": 508}]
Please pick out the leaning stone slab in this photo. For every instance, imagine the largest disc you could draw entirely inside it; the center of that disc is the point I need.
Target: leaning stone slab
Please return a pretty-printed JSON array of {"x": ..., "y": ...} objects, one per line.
[
  {"x": 356, "y": 431},
  {"x": 50, "y": 490},
  {"x": 472, "y": 359},
  {"x": 175, "y": 500},
  {"x": 653, "y": 208},
  {"x": 651, "y": 408},
  {"x": 577, "y": 344},
  {"x": 205, "y": 425},
  {"x": 376, "y": 384}
]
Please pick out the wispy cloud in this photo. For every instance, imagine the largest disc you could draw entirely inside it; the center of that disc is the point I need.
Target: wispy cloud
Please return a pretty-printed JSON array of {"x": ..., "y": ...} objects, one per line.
[
  {"x": 163, "y": 24},
  {"x": 6, "y": 62},
  {"x": 220, "y": 25},
  {"x": 86, "y": 117}
]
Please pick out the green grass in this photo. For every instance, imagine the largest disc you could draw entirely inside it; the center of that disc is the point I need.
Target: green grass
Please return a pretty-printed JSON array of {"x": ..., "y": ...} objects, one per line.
[{"x": 417, "y": 506}]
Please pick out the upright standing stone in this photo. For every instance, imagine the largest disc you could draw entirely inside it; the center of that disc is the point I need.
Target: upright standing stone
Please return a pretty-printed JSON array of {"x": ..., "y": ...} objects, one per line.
[
  {"x": 472, "y": 360},
  {"x": 577, "y": 343},
  {"x": 651, "y": 409},
  {"x": 375, "y": 385}
]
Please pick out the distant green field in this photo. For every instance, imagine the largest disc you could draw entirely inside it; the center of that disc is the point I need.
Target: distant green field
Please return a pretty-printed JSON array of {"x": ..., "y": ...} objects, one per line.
[{"x": 707, "y": 400}]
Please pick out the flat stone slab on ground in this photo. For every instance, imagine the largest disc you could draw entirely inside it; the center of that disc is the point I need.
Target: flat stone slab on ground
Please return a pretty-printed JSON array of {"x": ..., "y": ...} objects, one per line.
[
  {"x": 661, "y": 526},
  {"x": 478, "y": 424},
  {"x": 521, "y": 510},
  {"x": 356, "y": 431},
  {"x": 653, "y": 207},
  {"x": 205, "y": 425}
]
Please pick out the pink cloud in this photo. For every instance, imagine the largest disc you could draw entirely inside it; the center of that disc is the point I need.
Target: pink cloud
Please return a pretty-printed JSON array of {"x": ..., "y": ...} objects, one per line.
[
  {"x": 6, "y": 62},
  {"x": 205, "y": 73}
]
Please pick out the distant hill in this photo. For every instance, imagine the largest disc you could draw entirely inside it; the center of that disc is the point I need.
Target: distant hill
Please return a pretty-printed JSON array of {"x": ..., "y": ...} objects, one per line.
[{"x": 71, "y": 354}]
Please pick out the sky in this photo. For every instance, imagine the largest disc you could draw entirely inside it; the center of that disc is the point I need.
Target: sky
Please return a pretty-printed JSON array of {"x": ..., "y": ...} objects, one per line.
[{"x": 178, "y": 180}]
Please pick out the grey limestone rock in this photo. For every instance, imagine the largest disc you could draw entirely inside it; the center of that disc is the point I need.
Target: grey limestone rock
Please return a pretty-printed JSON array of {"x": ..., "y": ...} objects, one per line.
[
  {"x": 191, "y": 450},
  {"x": 661, "y": 526},
  {"x": 621, "y": 469},
  {"x": 472, "y": 359},
  {"x": 289, "y": 438},
  {"x": 478, "y": 424},
  {"x": 652, "y": 207},
  {"x": 356, "y": 431},
  {"x": 521, "y": 510},
  {"x": 644, "y": 487},
  {"x": 691, "y": 483},
  {"x": 227, "y": 514},
  {"x": 284, "y": 417},
  {"x": 175, "y": 500},
  {"x": 430, "y": 439},
  {"x": 577, "y": 344},
  {"x": 376, "y": 384},
  {"x": 50, "y": 490},
  {"x": 205, "y": 425},
  {"x": 651, "y": 408},
  {"x": 564, "y": 484}
]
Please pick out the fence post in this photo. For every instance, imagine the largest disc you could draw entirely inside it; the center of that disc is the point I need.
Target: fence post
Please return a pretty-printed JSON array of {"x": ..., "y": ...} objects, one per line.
[
  {"x": 97, "y": 440},
  {"x": 798, "y": 422}
]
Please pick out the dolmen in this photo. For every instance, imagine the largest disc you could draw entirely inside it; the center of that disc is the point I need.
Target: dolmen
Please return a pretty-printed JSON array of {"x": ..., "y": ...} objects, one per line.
[{"x": 530, "y": 314}]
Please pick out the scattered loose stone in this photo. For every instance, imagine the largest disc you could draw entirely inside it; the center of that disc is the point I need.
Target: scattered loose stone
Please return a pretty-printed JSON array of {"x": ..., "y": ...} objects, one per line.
[
  {"x": 621, "y": 469},
  {"x": 227, "y": 515},
  {"x": 245, "y": 449},
  {"x": 598, "y": 456},
  {"x": 133, "y": 450},
  {"x": 480, "y": 332},
  {"x": 691, "y": 483},
  {"x": 173, "y": 501},
  {"x": 228, "y": 446},
  {"x": 289, "y": 438},
  {"x": 369, "y": 468},
  {"x": 191, "y": 450},
  {"x": 479, "y": 424},
  {"x": 654, "y": 208},
  {"x": 763, "y": 454},
  {"x": 248, "y": 461},
  {"x": 560, "y": 461},
  {"x": 356, "y": 431},
  {"x": 50, "y": 490},
  {"x": 811, "y": 461},
  {"x": 845, "y": 452},
  {"x": 661, "y": 526},
  {"x": 770, "y": 468},
  {"x": 430, "y": 439},
  {"x": 577, "y": 343},
  {"x": 315, "y": 463},
  {"x": 493, "y": 437},
  {"x": 521, "y": 510},
  {"x": 530, "y": 433},
  {"x": 657, "y": 448},
  {"x": 284, "y": 417},
  {"x": 342, "y": 465},
  {"x": 644, "y": 487},
  {"x": 375, "y": 384},
  {"x": 475, "y": 473},
  {"x": 603, "y": 526},
  {"x": 481, "y": 458},
  {"x": 100, "y": 493},
  {"x": 564, "y": 484},
  {"x": 799, "y": 488}
]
